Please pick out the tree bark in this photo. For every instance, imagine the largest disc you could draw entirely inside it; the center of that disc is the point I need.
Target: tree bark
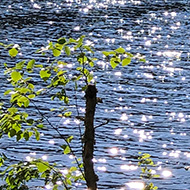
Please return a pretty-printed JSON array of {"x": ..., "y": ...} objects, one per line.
[{"x": 89, "y": 138}]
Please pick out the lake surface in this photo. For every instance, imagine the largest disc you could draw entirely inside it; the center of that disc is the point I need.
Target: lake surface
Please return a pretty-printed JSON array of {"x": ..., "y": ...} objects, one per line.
[{"x": 147, "y": 103}]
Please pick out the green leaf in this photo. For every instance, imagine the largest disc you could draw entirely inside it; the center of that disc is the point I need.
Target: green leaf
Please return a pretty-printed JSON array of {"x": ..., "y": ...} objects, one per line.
[
  {"x": 16, "y": 76},
  {"x": 68, "y": 181},
  {"x": 145, "y": 156},
  {"x": 107, "y": 53},
  {"x": 30, "y": 64},
  {"x": 15, "y": 97},
  {"x": 113, "y": 63},
  {"x": 26, "y": 103},
  {"x": 30, "y": 121},
  {"x": 23, "y": 101},
  {"x": 91, "y": 63},
  {"x": 12, "y": 133},
  {"x": 67, "y": 114},
  {"x": 73, "y": 169},
  {"x": 61, "y": 40},
  {"x": 88, "y": 48},
  {"x": 79, "y": 42},
  {"x": 129, "y": 54},
  {"x": 126, "y": 61},
  {"x": 31, "y": 86},
  {"x": 19, "y": 135},
  {"x": 69, "y": 139},
  {"x": 67, "y": 150},
  {"x": 26, "y": 135},
  {"x": 20, "y": 65},
  {"x": 156, "y": 176},
  {"x": 66, "y": 100},
  {"x": 30, "y": 133},
  {"x": 63, "y": 146},
  {"x": 71, "y": 40},
  {"x": 24, "y": 114},
  {"x": 31, "y": 96},
  {"x": 38, "y": 66},
  {"x": 40, "y": 126},
  {"x": 120, "y": 50},
  {"x": 7, "y": 92},
  {"x": 12, "y": 110},
  {"x": 67, "y": 50},
  {"x": 23, "y": 90},
  {"x": 55, "y": 187},
  {"x": 40, "y": 91},
  {"x": 45, "y": 74},
  {"x": 2, "y": 44},
  {"x": 13, "y": 52},
  {"x": 89, "y": 78},
  {"x": 56, "y": 52},
  {"x": 82, "y": 58},
  {"x": 142, "y": 60},
  {"x": 61, "y": 63},
  {"x": 58, "y": 46},
  {"x": 37, "y": 135},
  {"x": 42, "y": 167}
]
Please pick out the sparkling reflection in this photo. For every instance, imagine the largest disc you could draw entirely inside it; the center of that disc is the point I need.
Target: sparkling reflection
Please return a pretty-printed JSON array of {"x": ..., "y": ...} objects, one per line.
[
  {"x": 36, "y": 6},
  {"x": 124, "y": 117},
  {"x": 114, "y": 151},
  {"x": 59, "y": 182},
  {"x": 173, "y": 14},
  {"x": 48, "y": 186},
  {"x": 51, "y": 142},
  {"x": 148, "y": 43},
  {"x": 166, "y": 173},
  {"x": 172, "y": 54},
  {"x": 174, "y": 154},
  {"x": 103, "y": 168},
  {"x": 102, "y": 160},
  {"x": 155, "y": 41},
  {"x": 64, "y": 171},
  {"x": 29, "y": 159},
  {"x": 76, "y": 28},
  {"x": 128, "y": 167},
  {"x": 136, "y": 185},
  {"x": 118, "y": 131},
  {"x": 44, "y": 157},
  {"x": 118, "y": 73}
]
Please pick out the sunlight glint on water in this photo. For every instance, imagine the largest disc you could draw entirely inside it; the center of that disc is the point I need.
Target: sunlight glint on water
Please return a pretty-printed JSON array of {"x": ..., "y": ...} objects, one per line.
[
  {"x": 145, "y": 113},
  {"x": 136, "y": 185}
]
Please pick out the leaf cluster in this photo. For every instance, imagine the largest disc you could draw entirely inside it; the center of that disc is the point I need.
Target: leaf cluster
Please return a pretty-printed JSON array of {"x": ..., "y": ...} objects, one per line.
[
  {"x": 146, "y": 164},
  {"x": 13, "y": 123},
  {"x": 55, "y": 77},
  {"x": 17, "y": 175},
  {"x": 120, "y": 56}
]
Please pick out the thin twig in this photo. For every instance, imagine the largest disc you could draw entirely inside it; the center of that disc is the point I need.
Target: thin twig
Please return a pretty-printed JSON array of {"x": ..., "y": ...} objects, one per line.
[
  {"x": 62, "y": 136},
  {"x": 51, "y": 167},
  {"x": 102, "y": 124},
  {"x": 80, "y": 131}
]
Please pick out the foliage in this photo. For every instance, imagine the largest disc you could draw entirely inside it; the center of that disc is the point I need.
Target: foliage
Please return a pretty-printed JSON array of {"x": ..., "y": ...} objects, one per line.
[
  {"x": 17, "y": 175},
  {"x": 16, "y": 119},
  {"x": 146, "y": 164},
  {"x": 2, "y": 159}
]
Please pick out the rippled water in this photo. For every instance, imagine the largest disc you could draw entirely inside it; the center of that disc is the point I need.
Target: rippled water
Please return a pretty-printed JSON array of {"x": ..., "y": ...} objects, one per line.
[{"x": 147, "y": 103}]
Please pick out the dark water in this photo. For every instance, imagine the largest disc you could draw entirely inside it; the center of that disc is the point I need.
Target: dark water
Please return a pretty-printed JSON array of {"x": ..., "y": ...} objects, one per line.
[{"x": 147, "y": 103}]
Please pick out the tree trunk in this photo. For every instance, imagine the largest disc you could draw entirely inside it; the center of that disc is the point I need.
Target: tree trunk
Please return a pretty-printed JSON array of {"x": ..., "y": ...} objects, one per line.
[{"x": 89, "y": 138}]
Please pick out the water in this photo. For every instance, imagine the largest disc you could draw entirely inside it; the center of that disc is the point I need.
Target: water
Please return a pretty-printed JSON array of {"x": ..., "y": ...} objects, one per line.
[{"x": 147, "y": 103}]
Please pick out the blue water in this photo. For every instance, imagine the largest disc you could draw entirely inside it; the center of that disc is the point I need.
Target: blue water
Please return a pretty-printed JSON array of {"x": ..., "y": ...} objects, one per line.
[{"x": 147, "y": 103}]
